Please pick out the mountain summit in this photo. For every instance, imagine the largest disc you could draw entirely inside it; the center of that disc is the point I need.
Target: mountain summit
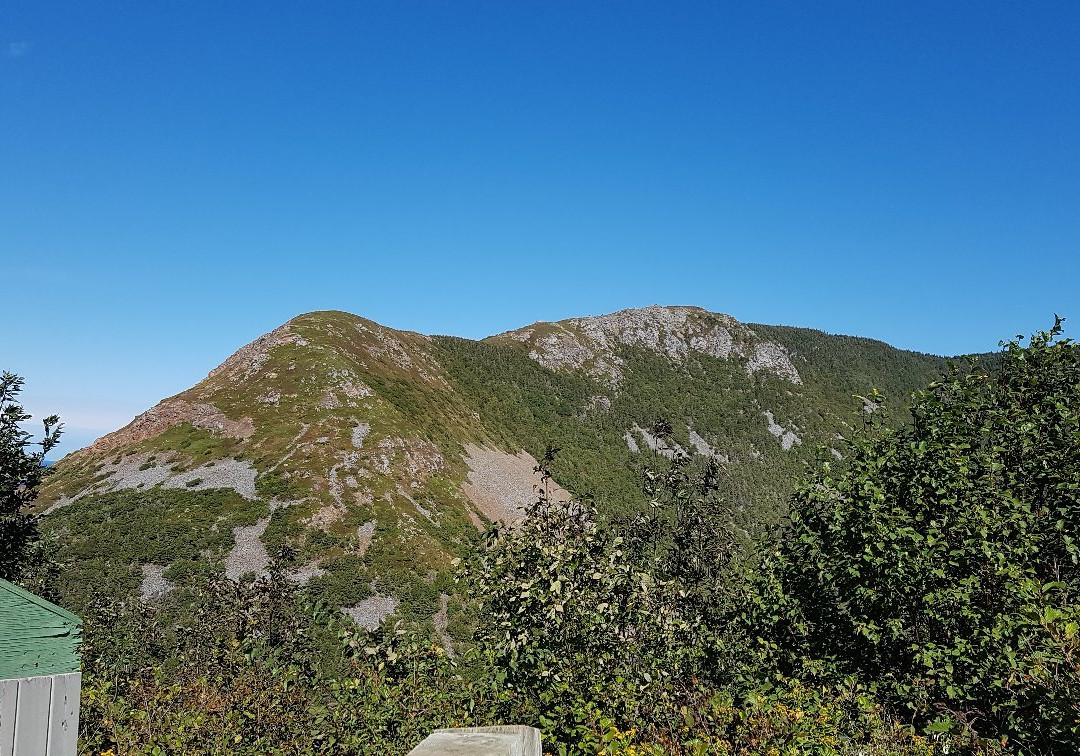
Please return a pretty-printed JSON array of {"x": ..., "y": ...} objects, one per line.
[
  {"x": 378, "y": 455},
  {"x": 593, "y": 343}
]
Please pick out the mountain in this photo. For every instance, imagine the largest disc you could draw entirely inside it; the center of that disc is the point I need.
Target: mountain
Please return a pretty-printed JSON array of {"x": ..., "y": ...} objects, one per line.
[{"x": 380, "y": 455}]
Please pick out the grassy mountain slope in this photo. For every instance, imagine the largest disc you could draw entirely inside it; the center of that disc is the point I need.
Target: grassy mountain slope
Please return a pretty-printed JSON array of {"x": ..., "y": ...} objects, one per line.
[{"x": 353, "y": 443}]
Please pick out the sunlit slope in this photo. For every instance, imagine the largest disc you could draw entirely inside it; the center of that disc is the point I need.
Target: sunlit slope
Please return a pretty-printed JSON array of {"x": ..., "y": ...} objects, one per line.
[
  {"x": 333, "y": 434},
  {"x": 378, "y": 455}
]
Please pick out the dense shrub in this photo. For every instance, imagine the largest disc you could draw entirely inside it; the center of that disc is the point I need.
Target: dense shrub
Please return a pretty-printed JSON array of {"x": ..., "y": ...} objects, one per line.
[
  {"x": 256, "y": 668},
  {"x": 631, "y": 637},
  {"x": 940, "y": 565}
]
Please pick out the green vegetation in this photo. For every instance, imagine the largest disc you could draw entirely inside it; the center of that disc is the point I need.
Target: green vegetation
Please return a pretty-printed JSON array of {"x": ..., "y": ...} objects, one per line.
[
  {"x": 525, "y": 405},
  {"x": 188, "y": 531},
  {"x": 917, "y": 591},
  {"x": 21, "y": 472},
  {"x": 290, "y": 406},
  {"x": 842, "y": 366},
  {"x": 940, "y": 567},
  {"x": 918, "y": 597},
  {"x": 197, "y": 444}
]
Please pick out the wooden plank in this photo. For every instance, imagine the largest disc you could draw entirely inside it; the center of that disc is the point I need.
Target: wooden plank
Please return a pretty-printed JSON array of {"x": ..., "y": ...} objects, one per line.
[
  {"x": 500, "y": 740},
  {"x": 32, "y": 716},
  {"x": 64, "y": 715},
  {"x": 9, "y": 697}
]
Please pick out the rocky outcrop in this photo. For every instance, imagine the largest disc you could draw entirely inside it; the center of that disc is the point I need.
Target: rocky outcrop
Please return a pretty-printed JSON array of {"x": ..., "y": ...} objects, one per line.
[
  {"x": 169, "y": 413},
  {"x": 249, "y": 359},
  {"x": 592, "y": 344},
  {"x": 788, "y": 438}
]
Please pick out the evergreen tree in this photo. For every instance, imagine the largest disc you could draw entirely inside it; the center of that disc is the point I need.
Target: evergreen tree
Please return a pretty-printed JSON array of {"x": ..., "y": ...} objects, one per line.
[{"x": 21, "y": 472}]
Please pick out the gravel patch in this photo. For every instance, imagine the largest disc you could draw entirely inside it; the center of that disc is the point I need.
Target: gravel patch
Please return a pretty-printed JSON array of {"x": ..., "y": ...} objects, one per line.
[
  {"x": 365, "y": 533},
  {"x": 441, "y": 619},
  {"x": 225, "y": 473},
  {"x": 248, "y": 553},
  {"x": 139, "y": 471},
  {"x": 303, "y": 575},
  {"x": 154, "y": 585},
  {"x": 501, "y": 485},
  {"x": 370, "y": 612},
  {"x": 787, "y": 438},
  {"x": 359, "y": 433}
]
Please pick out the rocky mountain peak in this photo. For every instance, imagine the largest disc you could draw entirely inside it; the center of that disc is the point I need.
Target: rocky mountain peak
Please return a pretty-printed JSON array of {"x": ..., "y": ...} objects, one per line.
[{"x": 593, "y": 343}]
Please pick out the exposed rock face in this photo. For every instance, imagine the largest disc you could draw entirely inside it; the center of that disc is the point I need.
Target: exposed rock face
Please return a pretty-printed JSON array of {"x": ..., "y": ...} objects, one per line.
[
  {"x": 657, "y": 445},
  {"x": 417, "y": 458},
  {"x": 169, "y": 413},
  {"x": 248, "y": 360},
  {"x": 592, "y": 343},
  {"x": 704, "y": 449},
  {"x": 787, "y": 437},
  {"x": 359, "y": 433}
]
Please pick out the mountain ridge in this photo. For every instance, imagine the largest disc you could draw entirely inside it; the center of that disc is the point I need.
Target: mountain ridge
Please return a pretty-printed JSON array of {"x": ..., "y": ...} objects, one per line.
[{"x": 379, "y": 455}]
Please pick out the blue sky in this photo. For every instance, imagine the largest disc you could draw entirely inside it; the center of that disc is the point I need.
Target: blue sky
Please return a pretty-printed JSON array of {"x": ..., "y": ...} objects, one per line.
[{"x": 177, "y": 178}]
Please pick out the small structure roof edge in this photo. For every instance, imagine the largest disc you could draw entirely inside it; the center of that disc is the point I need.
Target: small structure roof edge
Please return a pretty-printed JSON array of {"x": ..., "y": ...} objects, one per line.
[{"x": 43, "y": 603}]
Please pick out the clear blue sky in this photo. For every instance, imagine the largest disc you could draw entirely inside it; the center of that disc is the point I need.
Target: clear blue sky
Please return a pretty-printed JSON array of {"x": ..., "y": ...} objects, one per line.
[{"x": 177, "y": 178}]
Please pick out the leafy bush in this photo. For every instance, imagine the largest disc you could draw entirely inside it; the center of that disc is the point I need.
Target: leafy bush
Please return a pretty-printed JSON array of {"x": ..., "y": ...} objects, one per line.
[
  {"x": 613, "y": 659},
  {"x": 256, "y": 668},
  {"x": 940, "y": 566},
  {"x": 626, "y": 638}
]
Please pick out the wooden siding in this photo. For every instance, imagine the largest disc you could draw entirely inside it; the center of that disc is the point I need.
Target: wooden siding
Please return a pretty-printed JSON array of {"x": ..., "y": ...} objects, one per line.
[{"x": 39, "y": 716}]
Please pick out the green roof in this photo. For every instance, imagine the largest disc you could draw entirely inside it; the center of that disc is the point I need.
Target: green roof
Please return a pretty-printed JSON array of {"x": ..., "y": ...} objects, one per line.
[{"x": 36, "y": 637}]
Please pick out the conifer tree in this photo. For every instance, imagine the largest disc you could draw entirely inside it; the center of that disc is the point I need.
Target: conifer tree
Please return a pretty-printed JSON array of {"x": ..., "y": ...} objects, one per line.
[{"x": 21, "y": 472}]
